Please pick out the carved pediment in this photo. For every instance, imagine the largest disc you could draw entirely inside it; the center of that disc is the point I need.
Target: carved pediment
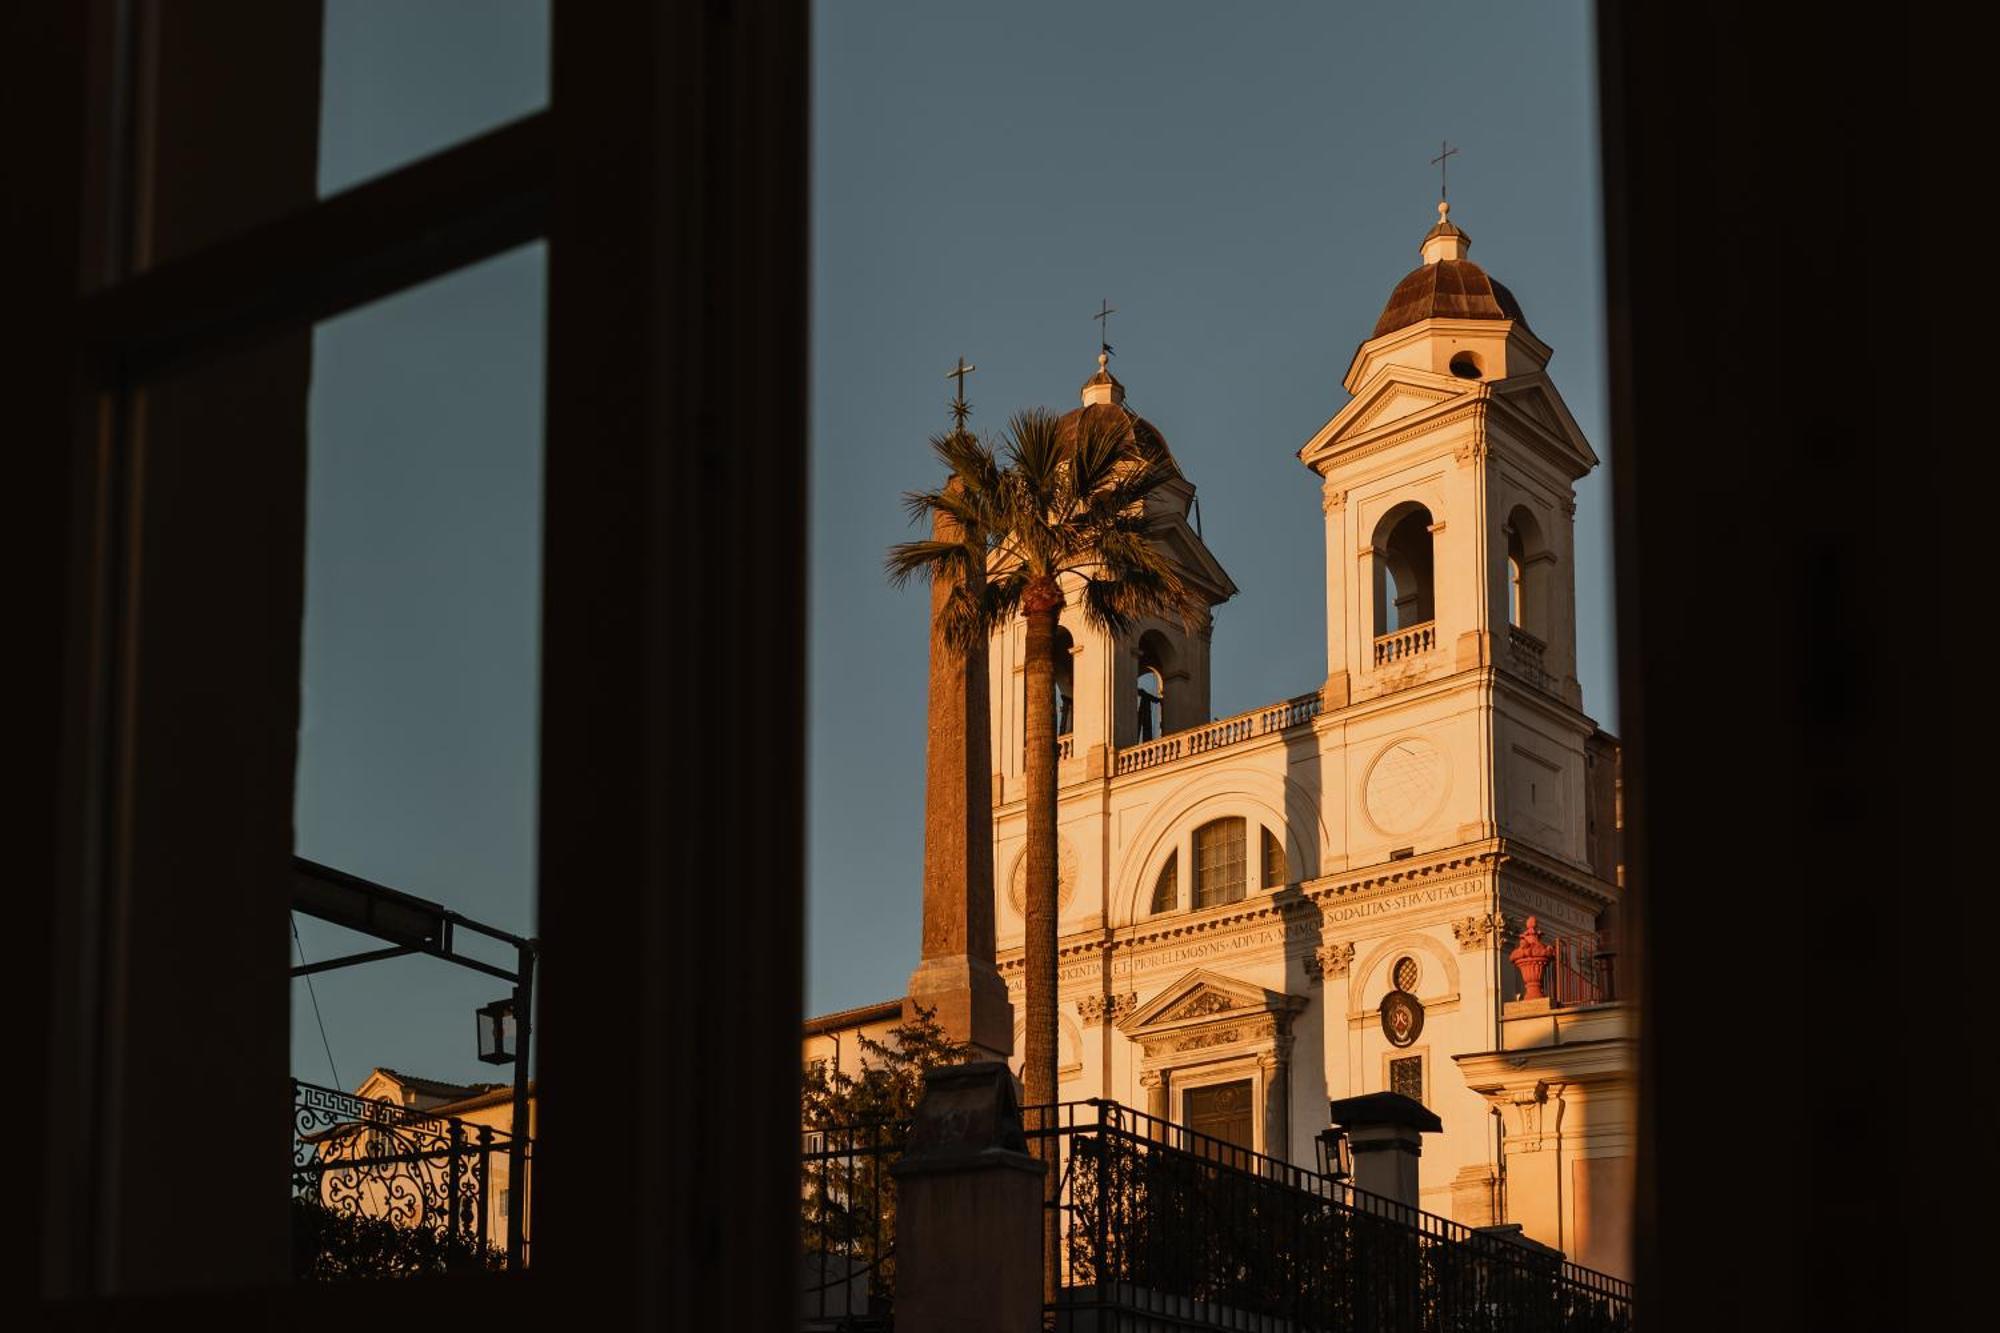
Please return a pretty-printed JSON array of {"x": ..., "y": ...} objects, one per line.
[
  {"x": 1207, "y": 1002},
  {"x": 1387, "y": 399},
  {"x": 1534, "y": 397},
  {"x": 1203, "y": 998},
  {"x": 1396, "y": 400}
]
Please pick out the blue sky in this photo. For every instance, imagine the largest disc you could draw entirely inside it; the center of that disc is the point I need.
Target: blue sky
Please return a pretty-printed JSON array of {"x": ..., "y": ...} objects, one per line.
[{"x": 1245, "y": 184}]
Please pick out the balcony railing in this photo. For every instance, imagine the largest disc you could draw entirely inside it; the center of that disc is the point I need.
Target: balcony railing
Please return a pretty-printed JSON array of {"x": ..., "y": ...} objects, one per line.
[
  {"x": 382, "y": 1190},
  {"x": 1524, "y": 657},
  {"x": 1217, "y": 735},
  {"x": 1404, "y": 644},
  {"x": 1580, "y": 972}
]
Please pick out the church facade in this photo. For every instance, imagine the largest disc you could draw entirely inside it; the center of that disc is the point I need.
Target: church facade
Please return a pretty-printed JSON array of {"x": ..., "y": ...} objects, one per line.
[{"x": 1327, "y": 896}]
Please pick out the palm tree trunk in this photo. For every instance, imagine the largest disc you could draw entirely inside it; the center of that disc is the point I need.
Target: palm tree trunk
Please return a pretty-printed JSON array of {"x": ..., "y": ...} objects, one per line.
[{"x": 1040, "y": 608}]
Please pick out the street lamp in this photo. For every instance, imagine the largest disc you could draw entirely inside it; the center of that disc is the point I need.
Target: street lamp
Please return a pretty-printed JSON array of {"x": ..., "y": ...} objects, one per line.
[
  {"x": 1333, "y": 1159},
  {"x": 496, "y": 1032}
]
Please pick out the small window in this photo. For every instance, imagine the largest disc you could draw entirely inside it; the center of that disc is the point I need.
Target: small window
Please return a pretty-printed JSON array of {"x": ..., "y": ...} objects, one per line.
[
  {"x": 1406, "y": 1076},
  {"x": 1218, "y": 859},
  {"x": 1276, "y": 875},
  {"x": 1167, "y": 888},
  {"x": 1405, "y": 974},
  {"x": 1466, "y": 366}
]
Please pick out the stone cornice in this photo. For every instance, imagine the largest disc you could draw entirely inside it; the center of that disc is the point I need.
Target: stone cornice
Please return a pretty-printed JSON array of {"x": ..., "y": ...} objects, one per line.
[
  {"x": 1490, "y": 1072},
  {"x": 1490, "y": 856}
]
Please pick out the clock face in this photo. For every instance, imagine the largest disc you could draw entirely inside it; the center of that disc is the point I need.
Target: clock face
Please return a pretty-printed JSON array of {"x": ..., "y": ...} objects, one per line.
[
  {"x": 1405, "y": 785},
  {"x": 1017, "y": 882},
  {"x": 1402, "y": 1017}
]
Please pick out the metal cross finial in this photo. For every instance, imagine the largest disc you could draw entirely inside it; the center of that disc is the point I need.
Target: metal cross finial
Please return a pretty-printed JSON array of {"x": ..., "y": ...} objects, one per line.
[
  {"x": 960, "y": 409},
  {"x": 1440, "y": 162},
  {"x": 1103, "y": 318}
]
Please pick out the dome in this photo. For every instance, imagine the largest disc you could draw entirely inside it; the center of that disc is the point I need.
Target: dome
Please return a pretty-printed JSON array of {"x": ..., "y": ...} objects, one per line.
[
  {"x": 1447, "y": 289},
  {"x": 1447, "y": 286},
  {"x": 1114, "y": 416},
  {"x": 1104, "y": 407}
]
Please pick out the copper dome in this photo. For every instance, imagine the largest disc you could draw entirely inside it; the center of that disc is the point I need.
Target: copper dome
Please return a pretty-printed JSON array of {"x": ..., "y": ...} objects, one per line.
[
  {"x": 1447, "y": 289},
  {"x": 1115, "y": 416}
]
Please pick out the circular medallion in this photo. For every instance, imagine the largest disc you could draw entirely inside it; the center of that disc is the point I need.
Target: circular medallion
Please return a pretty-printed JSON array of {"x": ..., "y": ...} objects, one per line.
[
  {"x": 1017, "y": 883},
  {"x": 1405, "y": 785},
  {"x": 1402, "y": 1017}
]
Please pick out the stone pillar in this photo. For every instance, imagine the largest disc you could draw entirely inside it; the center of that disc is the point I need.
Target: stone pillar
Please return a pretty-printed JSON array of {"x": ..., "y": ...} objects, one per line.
[
  {"x": 1155, "y": 1084},
  {"x": 1277, "y": 1105},
  {"x": 956, "y": 976},
  {"x": 1385, "y": 1136},
  {"x": 969, "y": 1210}
]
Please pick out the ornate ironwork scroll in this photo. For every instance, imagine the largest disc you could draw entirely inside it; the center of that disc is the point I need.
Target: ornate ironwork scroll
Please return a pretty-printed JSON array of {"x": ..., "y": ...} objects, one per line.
[{"x": 376, "y": 1160}]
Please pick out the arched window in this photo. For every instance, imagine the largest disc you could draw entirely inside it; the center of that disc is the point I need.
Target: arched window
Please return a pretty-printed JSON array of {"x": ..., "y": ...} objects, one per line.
[
  {"x": 1514, "y": 570},
  {"x": 1155, "y": 659},
  {"x": 1063, "y": 699},
  {"x": 1529, "y": 567},
  {"x": 1276, "y": 875},
  {"x": 1218, "y": 862},
  {"x": 1065, "y": 682},
  {"x": 1403, "y": 569},
  {"x": 1167, "y": 888},
  {"x": 1152, "y": 698}
]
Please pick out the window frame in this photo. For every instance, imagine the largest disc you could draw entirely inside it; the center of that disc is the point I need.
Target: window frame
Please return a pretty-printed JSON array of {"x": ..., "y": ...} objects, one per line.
[
  {"x": 1199, "y": 878},
  {"x": 668, "y": 176}
]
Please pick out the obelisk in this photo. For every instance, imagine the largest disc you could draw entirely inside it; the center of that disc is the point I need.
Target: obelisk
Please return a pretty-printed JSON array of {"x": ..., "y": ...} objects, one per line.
[{"x": 956, "y": 977}]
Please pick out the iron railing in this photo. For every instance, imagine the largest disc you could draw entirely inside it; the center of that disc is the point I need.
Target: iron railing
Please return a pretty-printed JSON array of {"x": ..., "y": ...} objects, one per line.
[
  {"x": 1164, "y": 1228},
  {"x": 377, "y": 1162},
  {"x": 848, "y": 1201},
  {"x": 1580, "y": 972}
]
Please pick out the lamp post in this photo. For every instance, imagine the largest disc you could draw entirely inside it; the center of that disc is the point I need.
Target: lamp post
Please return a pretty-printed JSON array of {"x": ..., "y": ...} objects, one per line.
[
  {"x": 410, "y": 925},
  {"x": 504, "y": 1028}
]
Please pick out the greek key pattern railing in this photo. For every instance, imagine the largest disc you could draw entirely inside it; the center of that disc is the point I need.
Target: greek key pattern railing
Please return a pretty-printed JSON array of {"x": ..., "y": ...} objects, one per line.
[
  {"x": 1217, "y": 735},
  {"x": 1405, "y": 643},
  {"x": 1165, "y": 1228},
  {"x": 376, "y": 1161}
]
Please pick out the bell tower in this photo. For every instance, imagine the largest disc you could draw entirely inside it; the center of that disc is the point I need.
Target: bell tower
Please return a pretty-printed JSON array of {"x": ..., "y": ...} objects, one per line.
[
  {"x": 1140, "y": 686},
  {"x": 1447, "y": 484}
]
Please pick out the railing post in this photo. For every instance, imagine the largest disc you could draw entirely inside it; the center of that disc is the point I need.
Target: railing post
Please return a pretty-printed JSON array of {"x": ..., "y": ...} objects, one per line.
[
  {"x": 969, "y": 1209},
  {"x": 454, "y": 1143},
  {"x": 485, "y": 1182}
]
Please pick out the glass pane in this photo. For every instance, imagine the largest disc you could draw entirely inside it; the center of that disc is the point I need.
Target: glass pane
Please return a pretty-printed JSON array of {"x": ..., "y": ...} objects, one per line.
[
  {"x": 1218, "y": 854},
  {"x": 400, "y": 81},
  {"x": 417, "y": 742}
]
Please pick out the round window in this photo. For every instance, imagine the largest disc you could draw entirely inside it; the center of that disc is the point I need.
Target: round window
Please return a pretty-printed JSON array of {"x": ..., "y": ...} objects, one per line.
[
  {"x": 1466, "y": 366},
  {"x": 1404, "y": 974}
]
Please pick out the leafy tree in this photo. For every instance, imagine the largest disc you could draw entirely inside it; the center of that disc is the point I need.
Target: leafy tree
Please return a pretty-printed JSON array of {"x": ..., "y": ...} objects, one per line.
[
  {"x": 855, "y": 1128},
  {"x": 1060, "y": 517}
]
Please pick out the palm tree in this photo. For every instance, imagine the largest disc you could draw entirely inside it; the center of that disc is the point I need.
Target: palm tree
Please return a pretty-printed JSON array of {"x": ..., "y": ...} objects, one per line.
[{"x": 1063, "y": 518}]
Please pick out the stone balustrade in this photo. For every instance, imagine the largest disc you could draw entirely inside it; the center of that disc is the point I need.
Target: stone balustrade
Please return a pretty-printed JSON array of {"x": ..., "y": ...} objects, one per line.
[
  {"x": 1524, "y": 656},
  {"x": 1405, "y": 643},
  {"x": 1217, "y": 735}
]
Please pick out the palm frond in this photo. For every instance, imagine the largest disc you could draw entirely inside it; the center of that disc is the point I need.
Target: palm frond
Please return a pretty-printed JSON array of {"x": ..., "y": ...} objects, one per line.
[{"x": 931, "y": 559}]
